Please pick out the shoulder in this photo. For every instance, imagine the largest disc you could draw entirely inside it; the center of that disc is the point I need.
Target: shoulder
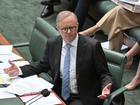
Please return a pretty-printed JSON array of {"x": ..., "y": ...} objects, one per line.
[
  {"x": 54, "y": 39},
  {"x": 88, "y": 40}
]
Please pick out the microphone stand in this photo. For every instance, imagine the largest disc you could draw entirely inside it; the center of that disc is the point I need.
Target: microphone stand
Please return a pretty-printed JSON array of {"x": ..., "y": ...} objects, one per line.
[
  {"x": 35, "y": 100},
  {"x": 43, "y": 93}
]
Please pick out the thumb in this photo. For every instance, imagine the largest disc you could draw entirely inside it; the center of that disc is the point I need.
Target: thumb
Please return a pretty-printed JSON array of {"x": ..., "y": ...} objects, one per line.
[
  {"x": 11, "y": 63},
  {"x": 109, "y": 85}
]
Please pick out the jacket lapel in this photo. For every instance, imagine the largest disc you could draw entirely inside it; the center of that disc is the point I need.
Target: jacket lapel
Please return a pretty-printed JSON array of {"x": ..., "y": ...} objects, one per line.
[
  {"x": 57, "y": 57},
  {"x": 80, "y": 55}
]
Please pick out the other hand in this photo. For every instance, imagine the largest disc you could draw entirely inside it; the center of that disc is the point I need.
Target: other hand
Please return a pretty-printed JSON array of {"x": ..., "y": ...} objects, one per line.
[{"x": 105, "y": 92}]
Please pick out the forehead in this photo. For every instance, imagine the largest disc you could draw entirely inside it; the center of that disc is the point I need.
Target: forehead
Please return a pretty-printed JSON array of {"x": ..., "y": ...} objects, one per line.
[{"x": 68, "y": 21}]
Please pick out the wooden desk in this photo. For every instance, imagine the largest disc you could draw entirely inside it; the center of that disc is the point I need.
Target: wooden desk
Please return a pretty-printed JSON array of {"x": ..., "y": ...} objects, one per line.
[
  {"x": 15, "y": 101},
  {"x": 4, "y": 41}
]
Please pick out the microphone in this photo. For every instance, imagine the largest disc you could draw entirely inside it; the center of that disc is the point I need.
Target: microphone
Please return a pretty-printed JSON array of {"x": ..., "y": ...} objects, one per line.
[{"x": 44, "y": 93}]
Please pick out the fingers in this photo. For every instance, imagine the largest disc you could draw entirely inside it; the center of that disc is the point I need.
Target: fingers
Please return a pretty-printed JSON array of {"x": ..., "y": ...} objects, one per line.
[
  {"x": 102, "y": 97},
  {"x": 11, "y": 63},
  {"x": 12, "y": 73},
  {"x": 109, "y": 86},
  {"x": 105, "y": 92},
  {"x": 12, "y": 70}
]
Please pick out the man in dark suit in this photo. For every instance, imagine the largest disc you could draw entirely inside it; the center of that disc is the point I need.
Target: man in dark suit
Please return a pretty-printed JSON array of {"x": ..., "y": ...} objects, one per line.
[{"x": 89, "y": 77}]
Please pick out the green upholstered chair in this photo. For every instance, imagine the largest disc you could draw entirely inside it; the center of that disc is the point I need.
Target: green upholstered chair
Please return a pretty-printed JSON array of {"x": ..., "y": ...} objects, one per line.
[
  {"x": 42, "y": 30},
  {"x": 115, "y": 63},
  {"x": 40, "y": 33},
  {"x": 99, "y": 7}
]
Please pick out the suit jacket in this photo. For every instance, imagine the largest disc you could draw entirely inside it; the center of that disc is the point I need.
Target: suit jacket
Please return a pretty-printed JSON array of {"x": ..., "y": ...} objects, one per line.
[{"x": 91, "y": 68}]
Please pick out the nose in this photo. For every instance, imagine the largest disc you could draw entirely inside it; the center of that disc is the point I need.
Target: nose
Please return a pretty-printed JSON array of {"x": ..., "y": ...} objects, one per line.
[{"x": 68, "y": 31}]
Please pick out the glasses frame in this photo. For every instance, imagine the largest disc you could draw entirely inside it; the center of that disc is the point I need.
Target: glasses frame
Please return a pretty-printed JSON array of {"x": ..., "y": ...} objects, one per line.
[{"x": 71, "y": 28}]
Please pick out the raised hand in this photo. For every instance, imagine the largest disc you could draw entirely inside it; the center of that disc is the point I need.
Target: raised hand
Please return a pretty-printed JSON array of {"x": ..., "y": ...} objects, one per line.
[{"x": 12, "y": 70}]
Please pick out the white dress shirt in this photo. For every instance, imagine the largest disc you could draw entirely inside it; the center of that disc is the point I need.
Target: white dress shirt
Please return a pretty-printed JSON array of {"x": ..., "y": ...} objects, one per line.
[{"x": 73, "y": 53}]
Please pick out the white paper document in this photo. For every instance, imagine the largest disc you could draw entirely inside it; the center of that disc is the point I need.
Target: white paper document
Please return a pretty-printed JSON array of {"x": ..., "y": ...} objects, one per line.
[
  {"x": 12, "y": 57},
  {"x": 5, "y": 49},
  {"x": 106, "y": 45},
  {"x": 5, "y": 79},
  {"x": 131, "y": 5},
  {"x": 52, "y": 99},
  {"x": 134, "y": 2},
  {"x": 28, "y": 85},
  {"x": 4, "y": 94}
]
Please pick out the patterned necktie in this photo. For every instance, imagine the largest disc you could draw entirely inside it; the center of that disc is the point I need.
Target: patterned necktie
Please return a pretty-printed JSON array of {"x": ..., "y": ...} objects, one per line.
[{"x": 66, "y": 75}]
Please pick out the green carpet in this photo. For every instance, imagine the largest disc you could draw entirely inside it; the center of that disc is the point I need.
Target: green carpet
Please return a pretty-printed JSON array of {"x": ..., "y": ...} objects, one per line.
[
  {"x": 16, "y": 23},
  {"x": 17, "y": 19}
]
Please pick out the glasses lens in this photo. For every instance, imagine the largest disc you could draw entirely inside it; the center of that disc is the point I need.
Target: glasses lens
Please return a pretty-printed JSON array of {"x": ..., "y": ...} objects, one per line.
[{"x": 66, "y": 29}]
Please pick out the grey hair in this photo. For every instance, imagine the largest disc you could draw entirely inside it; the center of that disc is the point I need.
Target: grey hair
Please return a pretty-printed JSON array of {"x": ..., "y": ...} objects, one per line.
[{"x": 63, "y": 14}]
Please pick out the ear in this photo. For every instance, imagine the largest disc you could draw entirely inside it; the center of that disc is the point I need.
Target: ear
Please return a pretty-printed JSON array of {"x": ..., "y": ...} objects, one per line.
[{"x": 56, "y": 28}]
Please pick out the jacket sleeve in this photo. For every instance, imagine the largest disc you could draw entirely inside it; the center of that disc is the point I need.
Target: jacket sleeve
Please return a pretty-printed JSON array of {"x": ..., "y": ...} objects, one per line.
[
  {"x": 38, "y": 67},
  {"x": 101, "y": 66}
]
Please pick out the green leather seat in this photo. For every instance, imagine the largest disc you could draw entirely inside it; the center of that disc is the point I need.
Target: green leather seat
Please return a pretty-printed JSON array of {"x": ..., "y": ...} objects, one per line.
[
  {"x": 40, "y": 33},
  {"x": 134, "y": 33},
  {"x": 99, "y": 7},
  {"x": 115, "y": 63}
]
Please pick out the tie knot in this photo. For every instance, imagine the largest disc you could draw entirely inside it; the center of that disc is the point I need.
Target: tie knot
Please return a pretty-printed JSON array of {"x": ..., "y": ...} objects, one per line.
[{"x": 68, "y": 45}]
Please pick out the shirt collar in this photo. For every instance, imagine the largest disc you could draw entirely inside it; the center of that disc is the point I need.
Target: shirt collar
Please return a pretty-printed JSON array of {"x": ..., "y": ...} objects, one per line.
[{"x": 73, "y": 43}]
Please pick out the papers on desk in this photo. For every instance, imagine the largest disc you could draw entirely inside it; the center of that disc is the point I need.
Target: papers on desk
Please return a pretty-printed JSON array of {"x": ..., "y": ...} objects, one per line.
[
  {"x": 12, "y": 57},
  {"x": 6, "y": 65},
  {"x": 4, "y": 78},
  {"x": 6, "y": 49},
  {"x": 7, "y": 54},
  {"x": 28, "y": 85},
  {"x": 52, "y": 99},
  {"x": 106, "y": 45},
  {"x": 4, "y": 94}
]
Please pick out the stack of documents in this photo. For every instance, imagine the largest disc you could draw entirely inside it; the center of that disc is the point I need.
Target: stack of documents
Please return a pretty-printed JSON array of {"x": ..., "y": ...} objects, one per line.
[
  {"x": 131, "y": 5},
  {"x": 7, "y": 54},
  {"x": 29, "y": 84},
  {"x": 4, "y": 94},
  {"x": 106, "y": 45},
  {"x": 27, "y": 87}
]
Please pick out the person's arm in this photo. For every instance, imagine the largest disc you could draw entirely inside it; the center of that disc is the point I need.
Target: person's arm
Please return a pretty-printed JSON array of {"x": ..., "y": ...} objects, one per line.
[
  {"x": 131, "y": 53},
  {"x": 42, "y": 66},
  {"x": 102, "y": 70},
  {"x": 28, "y": 70}
]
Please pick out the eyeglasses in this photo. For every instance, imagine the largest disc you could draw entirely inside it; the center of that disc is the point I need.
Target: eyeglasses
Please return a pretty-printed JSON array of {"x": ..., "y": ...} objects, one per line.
[{"x": 66, "y": 29}]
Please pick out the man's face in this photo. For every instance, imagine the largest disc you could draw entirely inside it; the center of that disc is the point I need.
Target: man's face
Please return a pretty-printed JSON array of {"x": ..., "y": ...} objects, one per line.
[{"x": 68, "y": 28}]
